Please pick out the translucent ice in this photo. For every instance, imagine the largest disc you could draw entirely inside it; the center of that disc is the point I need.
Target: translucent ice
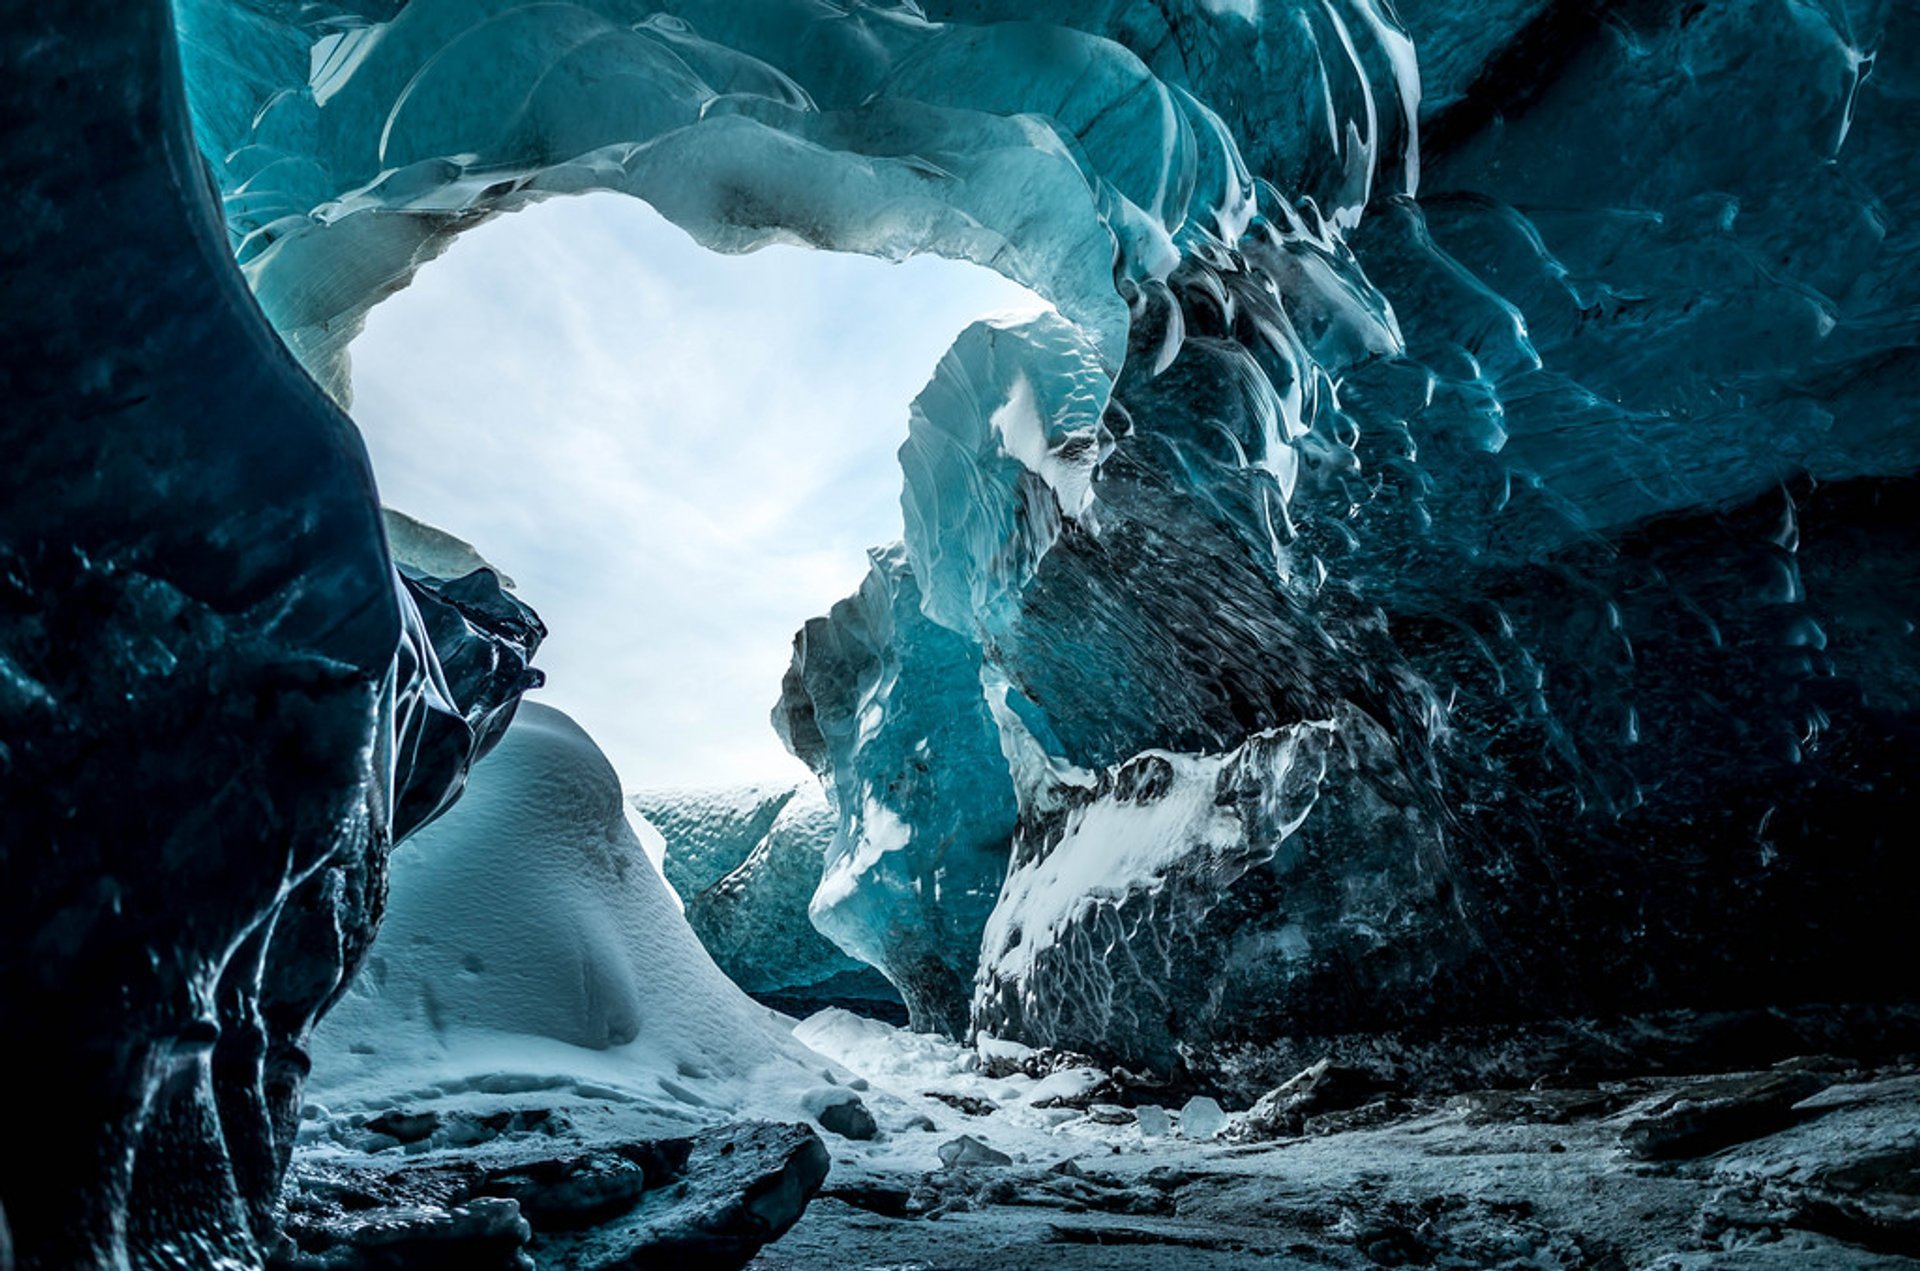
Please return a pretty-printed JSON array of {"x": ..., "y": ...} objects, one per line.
[
  {"x": 753, "y": 918},
  {"x": 1456, "y": 421}
]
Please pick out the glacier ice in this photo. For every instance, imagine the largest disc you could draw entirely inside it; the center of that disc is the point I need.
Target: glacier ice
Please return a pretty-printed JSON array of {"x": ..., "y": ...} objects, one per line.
[
  {"x": 747, "y": 862},
  {"x": 221, "y": 704},
  {"x": 885, "y": 705},
  {"x": 1441, "y": 375},
  {"x": 705, "y": 834},
  {"x": 1452, "y": 536}
]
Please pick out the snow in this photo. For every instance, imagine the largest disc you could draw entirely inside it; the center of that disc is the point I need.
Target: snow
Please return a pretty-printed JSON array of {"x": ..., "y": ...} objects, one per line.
[
  {"x": 885, "y": 832},
  {"x": 1112, "y": 849},
  {"x": 531, "y": 948}
]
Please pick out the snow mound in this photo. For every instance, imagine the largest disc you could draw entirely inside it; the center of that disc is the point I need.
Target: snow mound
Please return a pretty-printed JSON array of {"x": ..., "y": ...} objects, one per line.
[{"x": 530, "y": 949}]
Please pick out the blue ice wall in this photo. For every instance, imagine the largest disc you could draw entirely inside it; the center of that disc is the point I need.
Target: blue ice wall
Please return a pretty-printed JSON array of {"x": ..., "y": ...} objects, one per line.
[{"x": 1477, "y": 439}]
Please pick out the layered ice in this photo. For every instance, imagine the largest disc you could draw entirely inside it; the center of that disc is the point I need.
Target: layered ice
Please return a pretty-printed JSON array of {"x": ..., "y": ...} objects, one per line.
[
  {"x": 1455, "y": 377},
  {"x": 885, "y": 705}
]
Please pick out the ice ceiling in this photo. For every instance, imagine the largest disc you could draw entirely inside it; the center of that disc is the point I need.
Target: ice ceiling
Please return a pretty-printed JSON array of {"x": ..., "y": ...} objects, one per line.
[{"x": 1446, "y": 562}]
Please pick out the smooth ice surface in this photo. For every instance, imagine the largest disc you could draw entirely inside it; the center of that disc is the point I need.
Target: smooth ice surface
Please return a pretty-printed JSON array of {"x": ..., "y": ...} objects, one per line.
[{"x": 678, "y": 454}]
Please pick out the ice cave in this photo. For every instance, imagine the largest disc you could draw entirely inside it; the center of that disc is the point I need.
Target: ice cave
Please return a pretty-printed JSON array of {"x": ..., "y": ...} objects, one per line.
[{"x": 1383, "y": 738}]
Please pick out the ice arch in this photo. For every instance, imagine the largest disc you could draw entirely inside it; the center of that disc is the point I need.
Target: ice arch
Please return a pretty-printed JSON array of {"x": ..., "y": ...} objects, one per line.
[
  {"x": 1051, "y": 154},
  {"x": 1536, "y": 645},
  {"x": 679, "y": 455},
  {"x": 1269, "y": 509}
]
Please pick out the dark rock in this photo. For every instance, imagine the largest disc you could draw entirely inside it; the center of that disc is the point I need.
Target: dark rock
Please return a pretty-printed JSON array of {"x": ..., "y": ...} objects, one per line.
[
  {"x": 873, "y": 1196},
  {"x": 1365, "y": 1117},
  {"x": 969, "y": 1104},
  {"x": 705, "y": 1202},
  {"x": 406, "y": 1127},
  {"x": 1544, "y": 1107},
  {"x": 1825, "y": 1065},
  {"x": 1324, "y": 1088},
  {"x": 742, "y": 1186},
  {"x": 1108, "y": 1234},
  {"x": 1873, "y": 1201},
  {"x": 483, "y": 1235},
  {"x": 848, "y": 1117},
  {"x": 1708, "y": 1115},
  {"x": 968, "y": 1151},
  {"x": 568, "y": 1194},
  {"x": 1110, "y": 1114},
  {"x": 1043, "y": 1061}
]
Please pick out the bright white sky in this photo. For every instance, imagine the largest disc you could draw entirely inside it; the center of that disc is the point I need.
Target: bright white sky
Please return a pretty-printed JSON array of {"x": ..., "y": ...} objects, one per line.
[{"x": 678, "y": 456}]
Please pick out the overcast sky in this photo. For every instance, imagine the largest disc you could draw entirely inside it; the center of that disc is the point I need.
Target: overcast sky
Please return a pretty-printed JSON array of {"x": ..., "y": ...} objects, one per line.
[{"x": 678, "y": 456}]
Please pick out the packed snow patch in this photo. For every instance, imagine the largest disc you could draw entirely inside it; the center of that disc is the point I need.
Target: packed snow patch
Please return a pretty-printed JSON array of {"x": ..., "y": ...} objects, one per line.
[{"x": 532, "y": 953}]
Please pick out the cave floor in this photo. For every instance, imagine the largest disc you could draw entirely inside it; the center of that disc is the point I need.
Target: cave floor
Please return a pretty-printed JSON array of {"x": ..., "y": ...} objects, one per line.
[{"x": 1538, "y": 1179}]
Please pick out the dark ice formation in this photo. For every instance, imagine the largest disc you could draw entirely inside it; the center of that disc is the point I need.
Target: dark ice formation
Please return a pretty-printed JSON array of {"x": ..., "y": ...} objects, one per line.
[
  {"x": 1443, "y": 569},
  {"x": 221, "y": 704}
]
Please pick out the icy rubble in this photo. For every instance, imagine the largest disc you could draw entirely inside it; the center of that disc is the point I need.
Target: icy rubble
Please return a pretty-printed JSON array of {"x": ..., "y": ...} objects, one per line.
[{"x": 1808, "y": 1165}]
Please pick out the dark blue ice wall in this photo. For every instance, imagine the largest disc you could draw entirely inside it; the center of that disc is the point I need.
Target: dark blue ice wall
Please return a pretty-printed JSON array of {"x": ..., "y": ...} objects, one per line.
[{"x": 218, "y": 704}]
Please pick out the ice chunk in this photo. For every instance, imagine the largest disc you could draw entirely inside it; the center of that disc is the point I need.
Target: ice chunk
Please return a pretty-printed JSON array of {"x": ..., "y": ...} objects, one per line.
[
  {"x": 967, "y": 1152},
  {"x": 427, "y": 549},
  {"x": 1202, "y": 1118}
]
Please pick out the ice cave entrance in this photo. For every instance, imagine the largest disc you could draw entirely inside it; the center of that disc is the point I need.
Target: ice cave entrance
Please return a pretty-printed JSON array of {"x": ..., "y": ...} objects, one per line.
[{"x": 678, "y": 456}]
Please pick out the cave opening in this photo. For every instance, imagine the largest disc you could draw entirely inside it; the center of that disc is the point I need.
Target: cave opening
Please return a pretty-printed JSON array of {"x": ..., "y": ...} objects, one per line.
[{"x": 676, "y": 455}]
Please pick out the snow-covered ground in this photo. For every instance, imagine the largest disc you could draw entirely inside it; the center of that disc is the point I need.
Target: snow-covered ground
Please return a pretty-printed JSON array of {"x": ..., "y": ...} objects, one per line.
[{"x": 532, "y": 956}]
